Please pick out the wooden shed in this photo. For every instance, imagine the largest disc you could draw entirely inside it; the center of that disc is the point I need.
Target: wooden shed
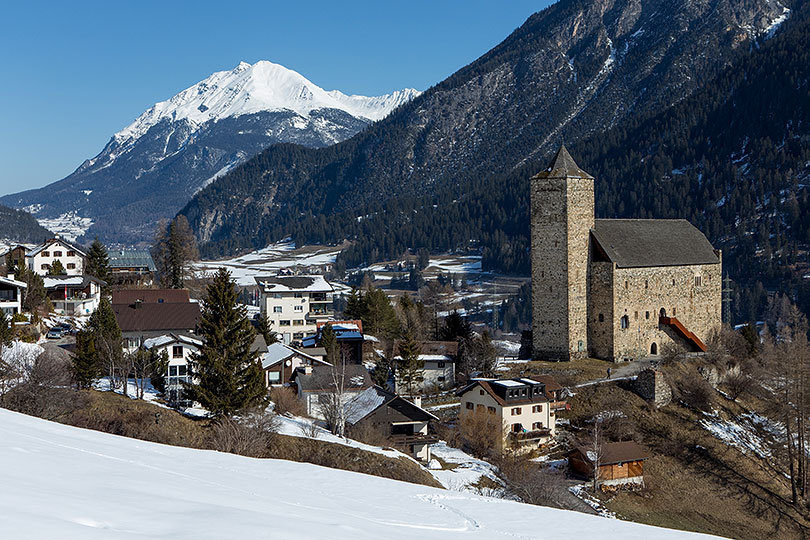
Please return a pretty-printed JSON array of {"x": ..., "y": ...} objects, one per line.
[{"x": 619, "y": 463}]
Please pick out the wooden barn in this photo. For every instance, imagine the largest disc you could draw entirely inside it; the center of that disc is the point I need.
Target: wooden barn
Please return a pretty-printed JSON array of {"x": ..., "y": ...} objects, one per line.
[{"x": 619, "y": 463}]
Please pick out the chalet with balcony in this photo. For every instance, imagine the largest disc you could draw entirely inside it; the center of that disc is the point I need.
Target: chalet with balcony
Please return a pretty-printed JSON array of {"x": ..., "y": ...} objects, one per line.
[
  {"x": 402, "y": 422},
  {"x": 295, "y": 305},
  {"x": 524, "y": 408},
  {"x": 148, "y": 313},
  {"x": 11, "y": 292},
  {"x": 73, "y": 295},
  {"x": 131, "y": 267},
  {"x": 178, "y": 348}
]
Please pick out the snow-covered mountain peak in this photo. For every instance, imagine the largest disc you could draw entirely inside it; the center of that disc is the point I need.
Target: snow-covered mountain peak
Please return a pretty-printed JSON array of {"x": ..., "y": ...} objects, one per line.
[{"x": 252, "y": 88}]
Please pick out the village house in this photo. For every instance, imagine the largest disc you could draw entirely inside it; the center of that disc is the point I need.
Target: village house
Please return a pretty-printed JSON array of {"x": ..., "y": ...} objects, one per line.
[
  {"x": 294, "y": 305},
  {"x": 315, "y": 384},
  {"x": 620, "y": 463},
  {"x": 148, "y": 313},
  {"x": 281, "y": 361},
  {"x": 11, "y": 292},
  {"x": 439, "y": 371},
  {"x": 40, "y": 259},
  {"x": 615, "y": 289},
  {"x": 349, "y": 336},
  {"x": 73, "y": 295},
  {"x": 131, "y": 267},
  {"x": 523, "y": 409},
  {"x": 403, "y": 423},
  {"x": 178, "y": 348}
]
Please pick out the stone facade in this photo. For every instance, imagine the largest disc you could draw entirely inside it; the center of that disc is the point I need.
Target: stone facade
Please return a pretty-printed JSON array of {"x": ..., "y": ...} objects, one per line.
[{"x": 606, "y": 300}]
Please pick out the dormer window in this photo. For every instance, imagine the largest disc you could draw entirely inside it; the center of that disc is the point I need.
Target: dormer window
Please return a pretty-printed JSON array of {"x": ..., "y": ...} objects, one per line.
[{"x": 46, "y": 253}]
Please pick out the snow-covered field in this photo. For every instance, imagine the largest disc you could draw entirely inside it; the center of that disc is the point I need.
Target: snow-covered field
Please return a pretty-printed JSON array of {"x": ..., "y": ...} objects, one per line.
[
  {"x": 268, "y": 261},
  {"x": 70, "y": 225},
  {"x": 70, "y": 483},
  {"x": 751, "y": 432}
]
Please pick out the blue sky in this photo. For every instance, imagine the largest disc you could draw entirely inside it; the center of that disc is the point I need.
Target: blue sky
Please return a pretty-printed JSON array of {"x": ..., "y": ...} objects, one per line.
[{"x": 77, "y": 72}]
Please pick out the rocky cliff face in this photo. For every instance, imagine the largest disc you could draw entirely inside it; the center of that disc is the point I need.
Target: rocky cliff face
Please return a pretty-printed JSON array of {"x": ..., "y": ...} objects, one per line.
[{"x": 572, "y": 70}]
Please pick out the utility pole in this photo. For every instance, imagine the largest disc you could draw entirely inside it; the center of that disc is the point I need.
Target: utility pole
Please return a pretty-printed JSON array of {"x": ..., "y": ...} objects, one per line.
[{"x": 726, "y": 292}]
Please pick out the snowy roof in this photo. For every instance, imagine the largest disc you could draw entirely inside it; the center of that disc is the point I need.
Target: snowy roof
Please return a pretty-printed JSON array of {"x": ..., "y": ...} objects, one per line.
[
  {"x": 13, "y": 282},
  {"x": 355, "y": 378},
  {"x": 52, "y": 282},
  {"x": 278, "y": 352},
  {"x": 294, "y": 284},
  {"x": 165, "y": 339},
  {"x": 530, "y": 381},
  {"x": 53, "y": 241},
  {"x": 371, "y": 399},
  {"x": 507, "y": 382}
]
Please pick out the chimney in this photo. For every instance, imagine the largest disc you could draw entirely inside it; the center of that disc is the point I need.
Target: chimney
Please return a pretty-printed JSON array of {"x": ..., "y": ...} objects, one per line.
[
  {"x": 417, "y": 400},
  {"x": 137, "y": 303},
  {"x": 307, "y": 370},
  {"x": 11, "y": 276}
]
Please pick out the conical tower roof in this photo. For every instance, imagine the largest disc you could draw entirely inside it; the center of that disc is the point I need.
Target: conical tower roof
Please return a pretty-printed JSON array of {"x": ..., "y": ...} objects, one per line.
[{"x": 563, "y": 166}]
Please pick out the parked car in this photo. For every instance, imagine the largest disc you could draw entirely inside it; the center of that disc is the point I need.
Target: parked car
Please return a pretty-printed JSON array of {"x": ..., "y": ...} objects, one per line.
[{"x": 55, "y": 333}]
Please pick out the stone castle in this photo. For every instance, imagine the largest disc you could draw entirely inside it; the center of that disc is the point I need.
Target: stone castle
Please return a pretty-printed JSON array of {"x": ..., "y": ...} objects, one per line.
[{"x": 616, "y": 289}]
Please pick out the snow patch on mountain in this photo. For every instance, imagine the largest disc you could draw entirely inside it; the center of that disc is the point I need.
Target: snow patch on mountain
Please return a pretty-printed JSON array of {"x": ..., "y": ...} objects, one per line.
[
  {"x": 69, "y": 225},
  {"x": 252, "y": 88}
]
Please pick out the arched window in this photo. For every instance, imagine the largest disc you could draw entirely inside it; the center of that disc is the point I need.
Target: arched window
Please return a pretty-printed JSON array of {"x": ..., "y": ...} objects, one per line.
[
  {"x": 625, "y": 322},
  {"x": 662, "y": 313},
  {"x": 654, "y": 348}
]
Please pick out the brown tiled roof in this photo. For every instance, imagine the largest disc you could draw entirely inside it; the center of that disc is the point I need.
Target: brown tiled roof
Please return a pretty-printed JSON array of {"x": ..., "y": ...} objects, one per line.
[
  {"x": 549, "y": 381},
  {"x": 502, "y": 402},
  {"x": 152, "y": 317},
  {"x": 617, "y": 452},
  {"x": 151, "y": 296}
]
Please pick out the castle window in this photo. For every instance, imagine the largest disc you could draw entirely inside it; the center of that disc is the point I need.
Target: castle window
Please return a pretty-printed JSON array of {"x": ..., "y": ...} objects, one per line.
[
  {"x": 635, "y": 315},
  {"x": 625, "y": 322},
  {"x": 673, "y": 312},
  {"x": 601, "y": 318},
  {"x": 646, "y": 314},
  {"x": 697, "y": 281},
  {"x": 626, "y": 285},
  {"x": 646, "y": 284},
  {"x": 673, "y": 282}
]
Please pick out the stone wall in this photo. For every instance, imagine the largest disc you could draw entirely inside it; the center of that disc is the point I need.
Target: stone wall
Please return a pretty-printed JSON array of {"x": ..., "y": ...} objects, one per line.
[
  {"x": 600, "y": 302},
  {"x": 641, "y": 294},
  {"x": 651, "y": 386},
  {"x": 580, "y": 201}
]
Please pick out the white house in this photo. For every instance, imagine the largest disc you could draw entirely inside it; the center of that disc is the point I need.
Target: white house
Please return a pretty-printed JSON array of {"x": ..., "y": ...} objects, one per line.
[
  {"x": 73, "y": 295},
  {"x": 439, "y": 365},
  {"x": 11, "y": 292},
  {"x": 280, "y": 361},
  {"x": 178, "y": 349},
  {"x": 294, "y": 305},
  {"x": 315, "y": 385},
  {"x": 40, "y": 259}
]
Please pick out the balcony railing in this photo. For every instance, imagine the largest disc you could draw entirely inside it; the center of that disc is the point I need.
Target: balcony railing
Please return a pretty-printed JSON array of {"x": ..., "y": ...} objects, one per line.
[
  {"x": 408, "y": 440},
  {"x": 316, "y": 313},
  {"x": 524, "y": 436},
  {"x": 559, "y": 406}
]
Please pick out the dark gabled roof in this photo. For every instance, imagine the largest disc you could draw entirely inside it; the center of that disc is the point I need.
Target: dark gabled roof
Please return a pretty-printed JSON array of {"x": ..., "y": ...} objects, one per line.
[
  {"x": 617, "y": 452},
  {"x": 563, "y": 166},
  {"x": 498, "y": 392},
  {"x": 157, "y": 317},
  {"x": 151, "y": 296},
  {"x": 633, "y": 243},
  {"x": 355, "y": 378},
  {"x": 376, "y": 397}
]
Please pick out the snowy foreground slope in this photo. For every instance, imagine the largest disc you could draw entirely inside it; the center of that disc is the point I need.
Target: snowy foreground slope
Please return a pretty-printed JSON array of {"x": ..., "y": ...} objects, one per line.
[{"x": 64, "y": 482}]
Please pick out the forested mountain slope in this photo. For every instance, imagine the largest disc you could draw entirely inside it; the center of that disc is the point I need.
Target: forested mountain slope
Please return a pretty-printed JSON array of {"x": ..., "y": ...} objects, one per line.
[
  {"x": 574, "y": 69},
  {"x": 20, "y": 226}
]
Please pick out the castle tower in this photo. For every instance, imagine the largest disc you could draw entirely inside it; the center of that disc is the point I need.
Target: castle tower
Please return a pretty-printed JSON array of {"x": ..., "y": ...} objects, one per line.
[{"x": 562, "y": 216}]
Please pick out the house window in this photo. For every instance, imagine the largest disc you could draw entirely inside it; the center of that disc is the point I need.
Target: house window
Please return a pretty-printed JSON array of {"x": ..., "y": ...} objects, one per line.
[
  {"x": 71, "y": 253},
  {"x": 517, "y": 428},
  {"x": 298, "y": 308},
  {"x": 625, "y": 322},
  {"x": 284, "y": 323},
  {"x": 537, "y": 409},
  {"x": 46, "y": 253},
  {"x": 601, "y": 317},
  {"x": 298, "y": 295},
  {"x": 441, "y": 365},
  {"x": 537, "y": 425},
  {"x": 71, "y": 266},
  {"x": 440, "y": 379},
  {"x": 298, "y": 322},
  {"x": 277, "y": 295},
  {"x": 515, "y": 411},
  {"x": 697, "y": 281},
  {"x": 177, "y": 351},
  {"x": 45, "y": 266},
  {"x": 172, "y": 371},
  {"x": 273, "y": 377},
  {"x": 470, "y": 406},
  {"x": 491, "y": 410},
  {"x": 57, "y": 253},
  {"x": 479, "y": 407},
  {"x": 298, "y": 335},
  {"x": 276, "y": 309},
  {"x": 481, "y": 392}
]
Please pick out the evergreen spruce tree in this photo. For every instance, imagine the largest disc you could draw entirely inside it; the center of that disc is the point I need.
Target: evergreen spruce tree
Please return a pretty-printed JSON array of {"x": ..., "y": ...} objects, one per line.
[
  {"x": 382, "y": 371},
  {"x": 227, "y": 376},
  {"x": 264, "y": 329},
  {"x": 410, "y": 369},
  {"x": 380, "y": 318},
  {"x": 98, "y": 261},
  {"x": 57, "y": 269},
  {"x": 86, "y": 368},
  {"x": 328, "y": 340},
  {"x": 355, "y": 306},
  {"x": 175, "y": 247},
  {"x": 6, "y": 331}
]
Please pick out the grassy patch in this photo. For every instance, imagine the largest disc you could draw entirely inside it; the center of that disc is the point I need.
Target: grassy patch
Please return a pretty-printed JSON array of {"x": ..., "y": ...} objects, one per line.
[{"x": 566, "y": 373}]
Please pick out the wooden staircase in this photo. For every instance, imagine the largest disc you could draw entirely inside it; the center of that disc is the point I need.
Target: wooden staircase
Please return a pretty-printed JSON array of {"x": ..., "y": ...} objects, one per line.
[{"x": 681, "y": 330}]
